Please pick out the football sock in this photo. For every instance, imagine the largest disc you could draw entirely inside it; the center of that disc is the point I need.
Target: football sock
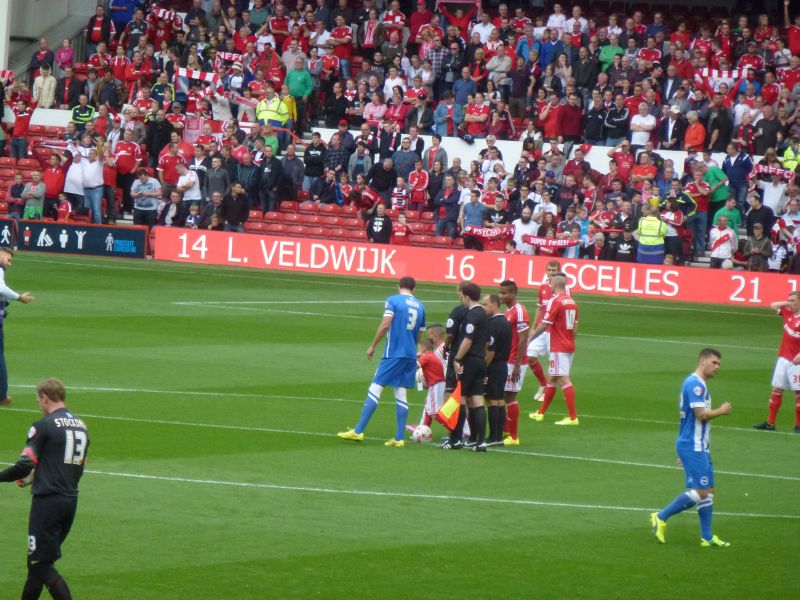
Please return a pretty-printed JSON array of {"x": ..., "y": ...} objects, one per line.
[
  {"x": 501, "y": 420},
  {"x": 33, "y": 589},
  {"x": 797, "y": 409},
  {"x": 479, "y": 422},
  {"x": 569, "y": 399},
  {"x": 538, "y": 371},
  {"x": 492, "y": 418},
  {"x": 370, "y": 404},
  {"x": 511, "y": 422},
  {"x": 471, "y": 422},
  {"x": 458, "y": 431},
  {"x": 426, "y": 419},
  {"x": 680, "y": 504},
  {"x": 705, "y": 509},
  {"x": 44, "y": 574},
  {"x": 401, "y": 410},
  {"x": 775, "y": 400},
  {"x": 549, "y": 394}
]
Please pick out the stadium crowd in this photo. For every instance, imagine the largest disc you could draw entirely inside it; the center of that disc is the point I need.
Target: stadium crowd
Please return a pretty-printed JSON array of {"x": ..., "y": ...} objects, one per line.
[{"x": 194, "y": 119}]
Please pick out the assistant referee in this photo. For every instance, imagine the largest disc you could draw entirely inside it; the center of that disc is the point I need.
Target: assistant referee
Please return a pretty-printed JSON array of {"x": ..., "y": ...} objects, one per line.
[
  {"x": 470, "y": 363},
  {"x": 498, "y": 350},
  {"x": 6, "y": 294}
]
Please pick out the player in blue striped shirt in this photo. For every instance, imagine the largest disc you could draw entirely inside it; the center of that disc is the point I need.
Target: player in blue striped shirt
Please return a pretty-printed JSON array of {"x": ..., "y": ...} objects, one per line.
[
  {"x": 692, "y": 447},
  {"x": 403, "y": 318}
]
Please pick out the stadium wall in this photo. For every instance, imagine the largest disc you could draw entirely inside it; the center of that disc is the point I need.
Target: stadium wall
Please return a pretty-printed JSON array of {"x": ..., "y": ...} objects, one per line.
[{"x": 451, "y": 266}]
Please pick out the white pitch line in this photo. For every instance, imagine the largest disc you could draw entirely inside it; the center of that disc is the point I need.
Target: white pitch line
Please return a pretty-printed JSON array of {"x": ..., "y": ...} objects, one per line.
[
  {"x": 288, "y": 312},
  {"x": 384, "y": 494},
  {"x": 292, "y": 302},
  {"x": 347, "y": 401},
  {"x": 333, "y": 435},
  {"x": 663, "y": 341}
]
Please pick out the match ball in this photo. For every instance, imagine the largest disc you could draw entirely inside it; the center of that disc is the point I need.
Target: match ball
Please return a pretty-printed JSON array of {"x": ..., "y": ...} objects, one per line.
[{"x": 422, "y": 434}]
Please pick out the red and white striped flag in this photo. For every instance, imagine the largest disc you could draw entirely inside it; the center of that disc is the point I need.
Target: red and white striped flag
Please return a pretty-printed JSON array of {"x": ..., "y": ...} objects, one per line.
[
  {"x": 201, "y": 75},
  {"x": 7, "y": 76}
]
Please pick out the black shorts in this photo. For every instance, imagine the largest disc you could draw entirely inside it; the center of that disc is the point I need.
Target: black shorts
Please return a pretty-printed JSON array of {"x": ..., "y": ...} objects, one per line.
[
  {"x": 450, "y": 378},
  {"x": 497, "y": 374},
  {"x": 48, "y": 526},
  {"x": 473, "y": 376}
]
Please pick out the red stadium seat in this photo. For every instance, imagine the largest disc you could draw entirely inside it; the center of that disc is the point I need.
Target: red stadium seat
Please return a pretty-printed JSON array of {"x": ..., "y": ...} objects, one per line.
[
  {"x": 288, "y": 205},
  {"x": 273, "y": 216},
  {"x": 329, "y": 209},
  {"x": 37, "y": 129},
  {"x": 337, "y": 233},
  {"x": 296, "y": 230},
  {"x": 316, "y": 232},
  {"x": 254, "y": 227},
  {"x": 412, "y": 215},
  {"x": 442, "y": 241},
  {"x": 54, "y": 130},
  {"x": 308, "y": 207},
  {"x": 275, "y": 228},
  {"x": 291, "y": 218},
  {"x": 354, "y": 223},
  {"x": 421, "y": 240},
  {"x": 356, "y": 235},
  {"x": 427, "y": 215},
  {"x": 303, "y": 195},
  {"x": 7, "y": 174},
  {"x": 392, "y": 213},
  {"x": 458, "y": 243},
  {"x": 255, "y": 215},
  {"x": 3, "y": 207},
  {"x": 7, "y": 161},
  {"x": 348, "y": 210},
  {"x": 310, "y": 219},
  {"x": 330, "y": 221}
]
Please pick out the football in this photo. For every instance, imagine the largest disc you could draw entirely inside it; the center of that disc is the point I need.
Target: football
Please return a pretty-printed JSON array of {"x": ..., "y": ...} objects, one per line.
[{"x": 422, "y": 434}]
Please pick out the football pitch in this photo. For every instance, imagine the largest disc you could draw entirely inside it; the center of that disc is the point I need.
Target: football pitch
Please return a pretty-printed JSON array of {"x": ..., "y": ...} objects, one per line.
[{"x": 213, "y": 397}]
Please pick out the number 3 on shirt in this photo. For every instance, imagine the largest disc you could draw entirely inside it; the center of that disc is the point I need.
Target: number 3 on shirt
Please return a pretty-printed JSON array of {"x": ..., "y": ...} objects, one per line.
[
  {"x": 412, "y": 319},
  {"x": 569, "y": 318}
]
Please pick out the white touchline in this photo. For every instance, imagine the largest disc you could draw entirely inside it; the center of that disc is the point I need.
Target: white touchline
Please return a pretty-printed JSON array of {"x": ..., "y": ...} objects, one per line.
[
  {"x": 355, "y": 492},
  {"x": 290, "y": 302},
  {"x": 28, "y": 386},
  {"x": 324, "y": 434}
]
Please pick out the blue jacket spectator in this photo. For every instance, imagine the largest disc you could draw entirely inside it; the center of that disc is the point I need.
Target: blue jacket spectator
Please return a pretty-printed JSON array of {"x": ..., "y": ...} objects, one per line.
[
  {"x": 463, "y": 87},
  {"x": 550, "y": 50},
  {"x": 440, "y": 116}
]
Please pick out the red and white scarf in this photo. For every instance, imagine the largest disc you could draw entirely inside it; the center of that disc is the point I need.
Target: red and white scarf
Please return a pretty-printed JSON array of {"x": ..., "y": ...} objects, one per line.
[
  {"x": 7, "y": 76},
  {"x": 766, "y": 169},
  {"x": 543, "y": 242},
  {"x": 231, "y": 56},
  {"x": 488, "y": 233},
  {"x": 201, "y": 75}
]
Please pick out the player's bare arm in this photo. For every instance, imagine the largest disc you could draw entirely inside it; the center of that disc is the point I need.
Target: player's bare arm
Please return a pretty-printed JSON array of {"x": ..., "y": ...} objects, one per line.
[
  {"x": 539, "y": 330},
  {"x": 523, "y": 343},
  {"x": 776, "y": 306},
  {"x": 382, "y": 329},
  {"x": 703, "y": 414}
]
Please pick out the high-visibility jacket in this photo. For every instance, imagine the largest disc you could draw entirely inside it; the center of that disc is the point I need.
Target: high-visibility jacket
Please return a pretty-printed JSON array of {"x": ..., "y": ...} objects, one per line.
[
  {"x": 272, "y": 110},
  {"x": 651, "y": 231},
  {"x": 791, "y": 159},
  {"x": 81, "y": 115}
]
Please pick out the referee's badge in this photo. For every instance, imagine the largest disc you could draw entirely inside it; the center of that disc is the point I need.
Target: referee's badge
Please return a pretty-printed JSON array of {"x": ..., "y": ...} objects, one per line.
[{"x": 31, "y": 432}]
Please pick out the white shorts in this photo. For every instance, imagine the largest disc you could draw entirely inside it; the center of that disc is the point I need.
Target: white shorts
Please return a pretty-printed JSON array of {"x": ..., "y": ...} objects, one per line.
[
  {"x": 515, "y": 386},
  {"x": 786, "y": 375},
  {"x": 560, "y": 363},
  {"x": 435, "y": 398},
  {"x": 540, "y": 346}
]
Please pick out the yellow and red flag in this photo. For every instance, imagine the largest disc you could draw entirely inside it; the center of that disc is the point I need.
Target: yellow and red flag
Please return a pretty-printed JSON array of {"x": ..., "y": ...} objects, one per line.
[{"x": 448, "y": 414}]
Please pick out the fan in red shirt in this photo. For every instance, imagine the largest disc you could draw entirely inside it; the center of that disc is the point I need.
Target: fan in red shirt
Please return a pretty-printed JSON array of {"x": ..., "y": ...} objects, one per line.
[
  {"x": 418, "y": 181},
  {"x": 476, "y": 116},
  {"x": 790, "y": 77},
  {"x": 167, "y": 167},
  {"x": 53, "y": 177},
  {"x": 279, "y": 25},
  {"x": 771, "y": 89},
  {"x": 518, "y": 318},
  {"x": 401, "y": 232},
  {"x": 787, "y": 371},
  {"x": 343, "y": 34},
  {"x": 207, "y": 139},
  {"x": 101, "y": 60},
  {"x": 238, "y": 150},
  {"x": 561, "y": 321},
  {"x": 549, "y": 118},
  {"x": 22, "y": 115},
  {"x": 394, "y": 20},
  {"x": 625, "y": 161}
]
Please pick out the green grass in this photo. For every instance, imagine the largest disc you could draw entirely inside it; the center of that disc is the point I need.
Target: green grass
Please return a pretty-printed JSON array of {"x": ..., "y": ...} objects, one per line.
[{"x": 228, "y": 413}]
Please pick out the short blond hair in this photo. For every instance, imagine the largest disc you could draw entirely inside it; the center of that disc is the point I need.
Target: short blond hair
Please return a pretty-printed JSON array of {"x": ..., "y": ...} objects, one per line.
[{"x": 52, "y": 388}]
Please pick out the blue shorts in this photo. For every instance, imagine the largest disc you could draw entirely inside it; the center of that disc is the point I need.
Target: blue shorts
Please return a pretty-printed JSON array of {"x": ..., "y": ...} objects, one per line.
[
  {"x": 396, "y": 372},
  {"x": 698, "y": 468}
]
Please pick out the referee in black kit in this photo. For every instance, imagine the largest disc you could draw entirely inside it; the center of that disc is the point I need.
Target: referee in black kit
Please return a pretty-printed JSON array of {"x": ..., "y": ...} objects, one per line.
[
  {"x": 53, "y": 460},
  {"x": 470, "y": 365},
  {"x": 497, "y": 352},
  {"x": 452, "y": 341}
]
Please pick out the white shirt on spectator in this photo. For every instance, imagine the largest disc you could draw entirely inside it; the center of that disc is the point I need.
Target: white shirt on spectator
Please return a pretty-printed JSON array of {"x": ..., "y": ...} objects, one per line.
[
  {"x": 772, "y": 194},
  {"x": 569, "y": 27},
  {"x": 559, "y": 21},
  {"x": 193, "y": 192},
  {"x": 484, "y": 30},
  {"x": 726, "y": 248},
  {"x": 391, "y": 83},
  {"x": 521, "y": 229},
  {"x": 639, "y": 138},
  {"x": 92, "y": 173},
  {"x": 319, "y": 40}
]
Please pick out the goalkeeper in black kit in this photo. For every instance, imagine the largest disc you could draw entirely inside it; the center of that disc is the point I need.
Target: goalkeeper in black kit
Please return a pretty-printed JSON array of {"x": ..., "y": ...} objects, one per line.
[{"x": 52, "y": 462}]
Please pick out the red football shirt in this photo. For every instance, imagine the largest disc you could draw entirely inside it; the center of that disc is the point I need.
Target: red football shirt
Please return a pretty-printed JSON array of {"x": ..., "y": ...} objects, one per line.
[
  {"x": 343, "y": 50},
  {"x": 127, "y": 153},
  {"x": 167, "y": 164},
  {"x": 701, "y": 194},
  {"x": 22, "y": 122},
  {"x": 562, "y": 316},
  {"x": 625, "y": 163},
  {"x": 432, "y": 368},
  {"x": 517, "y": 316},
  {"x": 790, "y": 342}
]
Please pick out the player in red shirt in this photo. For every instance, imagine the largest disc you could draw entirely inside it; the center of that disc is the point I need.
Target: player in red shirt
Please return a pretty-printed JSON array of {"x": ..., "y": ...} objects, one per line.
[
  {"x": 517, "y": 317},
  {"x": 561, "y": 321},
  {"x": 787, "y": 369},
  {"x": 541, "y": 346}
]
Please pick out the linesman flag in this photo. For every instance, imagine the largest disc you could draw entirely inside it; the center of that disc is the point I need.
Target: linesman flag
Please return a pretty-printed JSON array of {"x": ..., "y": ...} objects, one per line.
[{"x": 448, "y": 414}]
